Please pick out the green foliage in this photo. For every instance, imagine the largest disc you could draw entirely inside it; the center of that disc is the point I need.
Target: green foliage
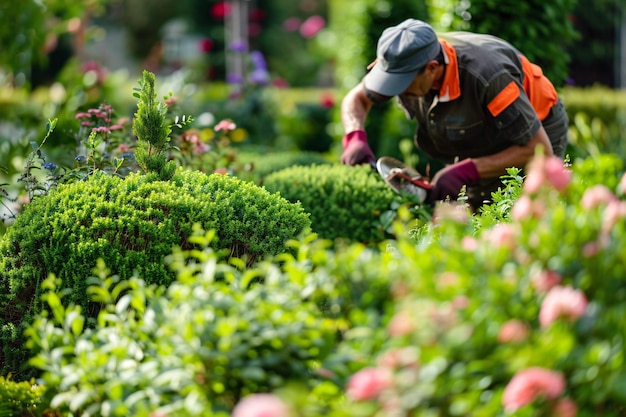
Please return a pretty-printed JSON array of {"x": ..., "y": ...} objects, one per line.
[
  {"x": 260, "y": 164},
  {"x": 305, "y": 127},
  {"x": 24, "y": 29},
  {"x": 213, "y": 337},
  {"x": 132, "y": 224},
  {"x": 152, "y": 131},
  {"x": 597, "y": 118},
  {"x": 429, "y": 313},
  {"x": 344, "y": 202},
  {"x": 540, "y": 30},
  {"x": 19, "y": 398},
  {"x": 503, "y": 201}
]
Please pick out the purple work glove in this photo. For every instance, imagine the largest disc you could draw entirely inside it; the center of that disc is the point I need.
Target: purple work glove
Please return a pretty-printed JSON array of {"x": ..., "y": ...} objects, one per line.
[
  {"x": 450, "y": 180},
  {"x": 356, "y": 150}
]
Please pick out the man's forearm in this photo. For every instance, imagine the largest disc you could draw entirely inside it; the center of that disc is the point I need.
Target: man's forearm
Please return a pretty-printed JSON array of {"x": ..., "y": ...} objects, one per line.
[
  {"x": 354, "y": 109},
  {"x": 515, "y": 156}
]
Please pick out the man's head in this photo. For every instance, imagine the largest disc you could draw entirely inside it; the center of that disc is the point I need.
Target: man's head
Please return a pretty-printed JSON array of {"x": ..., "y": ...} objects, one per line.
[{"x": 402, "y": 53}]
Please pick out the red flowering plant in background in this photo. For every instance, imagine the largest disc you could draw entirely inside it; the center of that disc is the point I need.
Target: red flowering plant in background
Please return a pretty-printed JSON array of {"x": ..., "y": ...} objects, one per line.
[{"x": 208, "y": 149}]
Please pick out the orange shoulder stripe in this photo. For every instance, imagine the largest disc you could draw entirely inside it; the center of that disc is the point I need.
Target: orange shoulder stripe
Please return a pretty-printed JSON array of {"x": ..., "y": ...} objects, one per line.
[
  {"x": 538, "y": 88},
  {"x": 504, "y": 99}
]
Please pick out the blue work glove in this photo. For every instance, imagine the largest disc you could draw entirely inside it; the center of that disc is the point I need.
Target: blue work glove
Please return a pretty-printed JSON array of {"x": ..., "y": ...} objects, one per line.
[
  {"x": 450, "y": 180},
  {"x": 356, "y": 150}
]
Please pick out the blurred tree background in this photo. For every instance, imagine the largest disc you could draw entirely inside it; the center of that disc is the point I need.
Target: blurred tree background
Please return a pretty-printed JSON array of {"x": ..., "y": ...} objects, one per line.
[{"x": 303, "y": 41}]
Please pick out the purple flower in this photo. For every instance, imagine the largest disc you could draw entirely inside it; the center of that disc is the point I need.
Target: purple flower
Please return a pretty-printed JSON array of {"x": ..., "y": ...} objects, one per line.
[
  {"x": 49, "y": 165},
  {"x": 258, "y": 60},
  {"x": 260, "y": 76},
  {"x": 233, "y": 78},
  {"x": 239, "y": 46}
]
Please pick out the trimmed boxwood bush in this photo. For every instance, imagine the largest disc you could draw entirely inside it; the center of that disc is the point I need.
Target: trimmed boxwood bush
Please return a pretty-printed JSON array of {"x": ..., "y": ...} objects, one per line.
[
  {"x": 262, "y": 164},
  {"x": 132, "y": 224},
  {"x": 344, "y": 201}
]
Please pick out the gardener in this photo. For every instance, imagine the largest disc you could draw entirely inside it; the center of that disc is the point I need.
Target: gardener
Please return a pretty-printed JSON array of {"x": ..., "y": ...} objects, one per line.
[{"x": 480, "y": 106}]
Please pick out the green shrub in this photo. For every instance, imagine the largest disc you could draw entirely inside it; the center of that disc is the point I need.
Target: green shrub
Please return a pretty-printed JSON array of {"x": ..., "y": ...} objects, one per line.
[
  {"x": 597, "y": 118},
  {"x": 19, "y": 399},
  {"x": 193, "y": 349},
  {"x": 132, "y": 224},
  {"x": 344, "y": 201},
  {"x": 261, "y": 164}
]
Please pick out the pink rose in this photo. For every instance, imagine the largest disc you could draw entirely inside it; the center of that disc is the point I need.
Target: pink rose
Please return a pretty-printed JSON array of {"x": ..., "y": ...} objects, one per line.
[
  {"x": 225, "y": 125},
  {"x": 614, "y": 212},
  {"x": 565, "y": 302},
  {"x": 565, "y": 407},
  {"x": 596, "y": 195},
  {"x": 261, "y": 405},
  {"x": 545, "y": 279},
  {"x": 406, "y": 357},
  {"x": 311, "y": 26},
  {"x": 530, "y": 384},
  {"x": 513, "y": 331},
  {"x": 469, "y": 243},
  {"x": 536, "y": 174},
  {"x": 522, "y": 209},
  {"x": 400, "y": 324},
  {"x": 525, "y": 207},
  {"x": 368, "y": 383},
  {"x": 558, "y": 176},
  {"x": 502, "y": 235}
]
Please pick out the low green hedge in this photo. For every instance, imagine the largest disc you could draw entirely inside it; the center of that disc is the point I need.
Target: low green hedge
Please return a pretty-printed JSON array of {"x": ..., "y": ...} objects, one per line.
[
  {"x": 259, "y": 164},
  {"x": 344, "y": 201}
]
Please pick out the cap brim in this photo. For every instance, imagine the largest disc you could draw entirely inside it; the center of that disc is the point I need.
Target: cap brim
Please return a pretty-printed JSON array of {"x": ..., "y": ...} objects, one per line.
[{"x": 387, "y": 83}]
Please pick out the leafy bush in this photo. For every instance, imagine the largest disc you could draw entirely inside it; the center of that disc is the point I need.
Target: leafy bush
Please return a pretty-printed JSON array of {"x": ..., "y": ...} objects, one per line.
[
  {"x": 211, "y": 338},
  {"x": 19, "y": 398},
  {"x": 344, "y": 201},
  {"x": 133, "y": 224},
  {"x": 261, "y": 164}
]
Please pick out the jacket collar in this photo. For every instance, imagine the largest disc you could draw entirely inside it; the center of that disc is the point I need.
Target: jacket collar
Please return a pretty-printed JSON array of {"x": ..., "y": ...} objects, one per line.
[{"x": 451, "y": 86}]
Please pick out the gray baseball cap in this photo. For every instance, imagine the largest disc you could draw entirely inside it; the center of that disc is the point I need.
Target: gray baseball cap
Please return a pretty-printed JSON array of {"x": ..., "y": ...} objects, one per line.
[{"x": 402, "y": 52}]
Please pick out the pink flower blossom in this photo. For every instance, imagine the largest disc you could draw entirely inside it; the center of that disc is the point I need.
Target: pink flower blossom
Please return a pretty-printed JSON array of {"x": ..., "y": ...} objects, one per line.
[
  {"x": 469, "y": 243},
  {"x": 558, "y": 175},
  {"x": 544, "y": 280},
  {"x": 615, "y": 211},
  {"x": 590, "y": 249},
  {"x": 502, "y": 235},
  {"x": 530, "y": 384},
  {"x": 292, "y": 24},
  {"x": 261, "y": 405},
  {"x": 596, "y": 195},
  {"x": 225, "y": 125},
  {"x": 547, "y": 170},
  {"x": 566, "y": 302},
  {"x": 400, "y": 324},
  {"x": 399, "y": 358},
  {"x": 513, "y": 331},
  {"x": 170, "y": 101},
  {"x": 368, "y": 383},
  {"x": 565, "y": 407},
  {"x": 525, "y": 207},
  {"x": 312, "y": 25}
]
